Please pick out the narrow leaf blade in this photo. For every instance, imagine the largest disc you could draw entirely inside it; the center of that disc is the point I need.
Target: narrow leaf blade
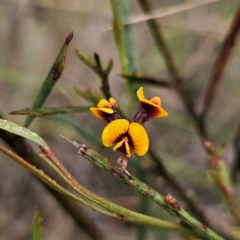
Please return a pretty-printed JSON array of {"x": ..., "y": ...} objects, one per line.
[
  {"x": 21, "y": 131},
  {"x": 37, "y": 226},
  {"x": 39, "y": 112},
  {"x": 88, "y": 95},
  {"x": 51, "y": 79},
  {"x": 85, "y": 59}
]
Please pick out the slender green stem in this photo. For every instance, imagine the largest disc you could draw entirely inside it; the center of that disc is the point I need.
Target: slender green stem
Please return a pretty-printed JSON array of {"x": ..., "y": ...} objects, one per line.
[
  {"x": 114, "y": 211},
  {"x": 168, "y": 203},
  {"x": 109, "y": 208},
  {"x": 52, "y": 183},
  {"x": 221, "y": 177},
  {"x": 192, "y": 204},
  {"x": 22, "y": 147},
  {"x": 96, "y": 65},
  {"x": 37, "y": 226},
  {"x": 120, "y": 212},
  {"x": 121, "y": 10},
  {"x": 141, "y": 233},
  {"x": 104, "y": 74}
]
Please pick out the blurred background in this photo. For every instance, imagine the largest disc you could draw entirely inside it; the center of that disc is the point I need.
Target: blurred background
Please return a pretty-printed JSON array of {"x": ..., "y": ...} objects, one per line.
[{"x": 32, "y": 32}]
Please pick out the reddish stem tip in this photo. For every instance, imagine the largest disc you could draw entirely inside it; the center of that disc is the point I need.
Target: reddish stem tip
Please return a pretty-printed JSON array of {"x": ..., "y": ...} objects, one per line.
[{"x": 69, "y": 38}]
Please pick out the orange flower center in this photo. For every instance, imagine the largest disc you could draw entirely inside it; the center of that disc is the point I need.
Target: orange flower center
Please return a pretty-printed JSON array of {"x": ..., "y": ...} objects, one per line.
[{"x": 127, "y": 140}]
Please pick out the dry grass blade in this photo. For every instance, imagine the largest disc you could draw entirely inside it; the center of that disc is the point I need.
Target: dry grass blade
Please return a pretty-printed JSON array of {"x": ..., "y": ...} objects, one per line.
[
  {"x": 169, "y": 11},
  {"x": 164, "y": 12}
]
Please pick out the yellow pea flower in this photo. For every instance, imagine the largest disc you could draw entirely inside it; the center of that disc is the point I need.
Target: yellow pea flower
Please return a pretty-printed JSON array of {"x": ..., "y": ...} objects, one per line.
[
  {"x": 148, "y": 108},
  {"x": 127, "y": 137},
  {"x": 106, "y": 110}
]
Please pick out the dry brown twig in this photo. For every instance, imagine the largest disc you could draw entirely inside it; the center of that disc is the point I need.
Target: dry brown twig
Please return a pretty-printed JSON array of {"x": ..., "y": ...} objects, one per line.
[{"x": 220, "y": 64}]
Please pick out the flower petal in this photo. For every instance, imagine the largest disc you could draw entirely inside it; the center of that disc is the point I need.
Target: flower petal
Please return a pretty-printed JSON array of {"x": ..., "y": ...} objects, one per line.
[
  {"x": 156, "y": 101},
  {"x": 118, "y": 145},
  {"x": 101, "y": 113},
  {"x": 127, "y": 148},
  {"x": 107, "y": 110},
  {"x": 139, "y": 138},
  {"x": 153, "y": 110},
  {"x": 113, "y": 103},
  {"x": 113, "y": 131},
  {"x": 152, "y": 107},
  {"x": 140, "y": 94},
  {"x": 124, "y": 149},
  {"x": 104, "y": 104}
]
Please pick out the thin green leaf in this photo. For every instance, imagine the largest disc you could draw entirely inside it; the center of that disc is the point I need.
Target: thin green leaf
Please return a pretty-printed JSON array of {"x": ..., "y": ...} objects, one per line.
[
  {"x": 109, "y": 66},
  {"x": 52, "y": 78},
  {"x": 21, "y": 131},
  {"x": 88, "y": 95},
  {"x": 37, "y": 226},
  {"x": 87, "y": 60},
  {"x": 39, "y": 112}
]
